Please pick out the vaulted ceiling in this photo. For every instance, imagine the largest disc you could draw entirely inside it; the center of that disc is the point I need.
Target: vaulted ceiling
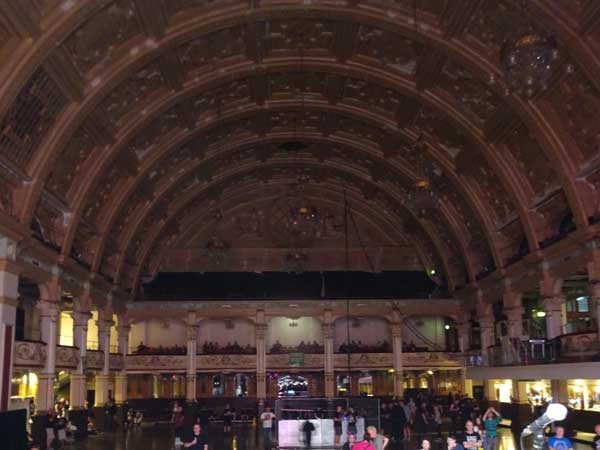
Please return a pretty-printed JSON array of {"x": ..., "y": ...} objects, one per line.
[{"x": 124, "y": 123}]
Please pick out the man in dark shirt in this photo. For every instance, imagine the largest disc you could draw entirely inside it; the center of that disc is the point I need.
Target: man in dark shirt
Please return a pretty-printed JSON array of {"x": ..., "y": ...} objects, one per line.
[
  {"x": 308, "y": 429},
  {"x": 197, "y": 440},
  {"x": 472, "y": 439}
]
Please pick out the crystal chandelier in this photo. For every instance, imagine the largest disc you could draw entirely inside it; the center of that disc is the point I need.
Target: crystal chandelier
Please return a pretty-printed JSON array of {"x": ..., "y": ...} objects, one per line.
[{"x": 529, "y": 59}]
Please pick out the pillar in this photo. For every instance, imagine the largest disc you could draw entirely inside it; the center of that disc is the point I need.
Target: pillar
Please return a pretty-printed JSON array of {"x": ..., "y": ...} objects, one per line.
[
  {"x": 560, "y": 392},
  {"x": 9, "y": 285},
  {"x": 328, "y": 331},
  {"x": 464, "y": 336},
  {"x": 554, "y": 304},
  {"x": 121, "y": 377},
  {"x": 261, "y": 356},
  {"x": 397, "y": 357},
  {"x": 555, "y": 316},
  {"x": 49, "y": 311},
  {"x": 486, "y": 328},
  {"x": 594, "y": 290},
  {"x": 513, "y": 309},
  {"x": 192, "y": 351},
  {"x": 103, "y": 378},
  {"x": 78, "y": 392}
]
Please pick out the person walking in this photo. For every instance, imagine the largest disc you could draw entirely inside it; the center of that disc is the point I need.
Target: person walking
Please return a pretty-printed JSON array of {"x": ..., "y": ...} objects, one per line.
[{"x": 266, "y": 419}]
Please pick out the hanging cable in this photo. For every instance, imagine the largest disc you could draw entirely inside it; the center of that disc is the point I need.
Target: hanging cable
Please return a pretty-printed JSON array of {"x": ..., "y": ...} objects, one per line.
[{"x": 347, "y": 291}]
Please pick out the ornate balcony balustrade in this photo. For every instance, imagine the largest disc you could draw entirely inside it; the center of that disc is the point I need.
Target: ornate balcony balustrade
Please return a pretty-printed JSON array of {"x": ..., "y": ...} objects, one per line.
[
  {"x": 33, "y": 355},
  {"x": 568, "y": 348},
  {"x": 95, "y": 359},
  {"x": 67, "y": 357},
  {"x": 29, "y": 354}
]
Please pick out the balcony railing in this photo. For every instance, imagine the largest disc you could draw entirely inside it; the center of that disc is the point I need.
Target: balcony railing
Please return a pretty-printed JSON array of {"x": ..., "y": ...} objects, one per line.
[{"x": 568, "y": 348}]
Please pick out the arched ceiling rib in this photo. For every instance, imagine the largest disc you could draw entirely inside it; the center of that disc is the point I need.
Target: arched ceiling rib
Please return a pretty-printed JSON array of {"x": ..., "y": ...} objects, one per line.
[
  {"x": 249, "y": 167},
  {"x": 166, "y": 230},
  {"x": 246, "y": 200},
  {"x": 118, "y": 60}
]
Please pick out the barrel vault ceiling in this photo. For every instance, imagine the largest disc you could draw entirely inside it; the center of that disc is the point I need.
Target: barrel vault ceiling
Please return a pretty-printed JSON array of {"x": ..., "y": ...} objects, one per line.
[{"x": 126, "y": 123}]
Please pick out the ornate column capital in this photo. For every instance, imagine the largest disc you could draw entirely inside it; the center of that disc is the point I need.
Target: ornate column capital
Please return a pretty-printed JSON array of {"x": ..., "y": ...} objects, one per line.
[
  {"x": 81, "y": 318},
  {"x": 328, "y": 331},
  {"x": 553, "y": 303},
  {"x": 191, "y": 332},
  {"x": 49, "y": 309},
  {"x": 260, "y": 330},
  {"x": 104, "y": 325}
]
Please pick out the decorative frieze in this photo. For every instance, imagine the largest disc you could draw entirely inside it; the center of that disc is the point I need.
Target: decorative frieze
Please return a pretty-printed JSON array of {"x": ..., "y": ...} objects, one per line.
[{"x": 30, "y": 354}]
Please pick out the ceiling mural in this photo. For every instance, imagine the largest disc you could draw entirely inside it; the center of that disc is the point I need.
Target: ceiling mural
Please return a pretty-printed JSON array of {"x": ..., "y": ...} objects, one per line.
[{"x": 125, "y": 127}]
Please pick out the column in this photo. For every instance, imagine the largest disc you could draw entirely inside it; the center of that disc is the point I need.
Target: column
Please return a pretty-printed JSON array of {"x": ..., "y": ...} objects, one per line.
[
  {"x": 554, "y": 304},
  {"x": 397, "y": 357},
  {"x": 560, "y": 392},
  {"x": 328, "y": 331},
  {"x": 464, "y": 336},
  {"x": 78, "y": 392},
  {"x": 121, "y": 377},
  {"x": 555, "y": 316},
  {"x": 103, "y": 378},
  {"x": 513, "y": 309},
  {"x": 192, "y": 351},
  {"x": 9, "y": 284},
  {"x": 261, "y": 356},
  {"x": 49, "y": 311},
  {"x": 486, "y": 328},
  {"x": 594, "y": 290}
]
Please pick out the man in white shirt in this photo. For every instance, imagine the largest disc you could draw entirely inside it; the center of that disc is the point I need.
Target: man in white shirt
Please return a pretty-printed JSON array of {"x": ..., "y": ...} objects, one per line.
[{"x": 266, "y": 419}]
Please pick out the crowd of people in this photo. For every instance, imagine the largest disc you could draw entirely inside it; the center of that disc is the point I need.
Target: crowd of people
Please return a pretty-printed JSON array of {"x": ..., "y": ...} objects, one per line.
[
  {"x": 446, "y": 423},
  {"x": 379, "y": 347},
  {"x": 214, "y": 348},
  {"x": 304, "y": 347},
  {"x": 160, "y": 350},
  {"x": 359, "y": 347}
]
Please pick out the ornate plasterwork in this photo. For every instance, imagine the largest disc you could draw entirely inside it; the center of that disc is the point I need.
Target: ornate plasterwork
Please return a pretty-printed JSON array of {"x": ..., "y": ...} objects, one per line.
[
  {"x": 29, "y": 354},
  {"x": 105, "y": 77}
]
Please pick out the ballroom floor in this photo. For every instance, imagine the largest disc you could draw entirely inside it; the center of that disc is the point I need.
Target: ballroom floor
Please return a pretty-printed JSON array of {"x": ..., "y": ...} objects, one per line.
[{"x": 242, "y": 438}]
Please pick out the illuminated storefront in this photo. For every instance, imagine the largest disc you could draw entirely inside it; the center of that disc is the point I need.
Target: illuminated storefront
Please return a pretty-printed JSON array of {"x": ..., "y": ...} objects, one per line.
[
  {"x": 538, "y": 392},
  {"x": 503, "y": 390},
  {"x": 584, "y": 394}
]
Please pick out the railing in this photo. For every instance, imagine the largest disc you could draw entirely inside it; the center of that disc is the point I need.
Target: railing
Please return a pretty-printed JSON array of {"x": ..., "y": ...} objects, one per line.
[{"x": 568, "y": 348}]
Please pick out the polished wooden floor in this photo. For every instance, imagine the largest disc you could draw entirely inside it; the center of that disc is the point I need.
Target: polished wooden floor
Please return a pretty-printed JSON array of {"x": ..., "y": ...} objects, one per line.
[{"x": 242, "y": 438}]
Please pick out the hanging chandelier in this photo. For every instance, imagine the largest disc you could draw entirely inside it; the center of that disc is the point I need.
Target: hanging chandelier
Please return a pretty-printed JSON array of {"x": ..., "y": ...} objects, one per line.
[
  {"x": 529, "y": 59},
  {"x": 422, "y": 198}
]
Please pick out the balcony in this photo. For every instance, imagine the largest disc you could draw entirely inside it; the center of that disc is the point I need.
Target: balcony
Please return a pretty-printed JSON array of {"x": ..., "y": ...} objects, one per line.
[
  {"x": 568, "y": 348},
  {"x": 66, "y": 357},
  {"x": 29, "y": 354}
]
